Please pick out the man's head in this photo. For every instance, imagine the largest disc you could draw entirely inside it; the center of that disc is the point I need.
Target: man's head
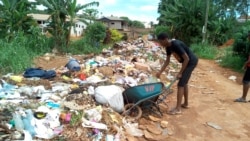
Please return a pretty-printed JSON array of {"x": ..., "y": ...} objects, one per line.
[{"x": 163, "y": 39}]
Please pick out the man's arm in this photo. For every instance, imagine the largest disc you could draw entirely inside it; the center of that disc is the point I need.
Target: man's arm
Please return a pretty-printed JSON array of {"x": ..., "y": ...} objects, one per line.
[
  {"x": 184, "y": 64},
  {"x": 164, "y": 66}
]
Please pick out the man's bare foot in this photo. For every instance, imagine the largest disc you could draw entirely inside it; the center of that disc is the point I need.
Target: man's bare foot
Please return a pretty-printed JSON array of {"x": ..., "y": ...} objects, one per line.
[
  {"x": 184, "y": 106},
  {"x": 174, "y": 112}
]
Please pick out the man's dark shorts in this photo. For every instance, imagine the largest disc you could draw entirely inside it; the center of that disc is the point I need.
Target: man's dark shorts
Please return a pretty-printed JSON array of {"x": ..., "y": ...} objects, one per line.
[
  {"x": 187, "y": 74},
  {"x": 246, "y": 77}
]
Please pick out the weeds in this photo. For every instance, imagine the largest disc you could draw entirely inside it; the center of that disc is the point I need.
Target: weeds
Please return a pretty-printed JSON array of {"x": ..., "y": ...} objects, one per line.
[
  {"x": 204, "y": 51},
  {"x": 82, "y": 47},
  {"x": 230, "y": 60},
  {"x": 76, "y": 118},
  {"x": 18, "y": 54}
]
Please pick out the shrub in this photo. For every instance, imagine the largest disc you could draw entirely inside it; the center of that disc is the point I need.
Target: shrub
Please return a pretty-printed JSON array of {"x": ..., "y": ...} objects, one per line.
[
  {"x": 241, "y": 45},
  {"x": 95, "y": 33},
  {"x": 83, "y": 47},
  {"x": 160, "y": 29},
  {"x": 115, "y": 35},
  {"x": 231, "y": 60}
]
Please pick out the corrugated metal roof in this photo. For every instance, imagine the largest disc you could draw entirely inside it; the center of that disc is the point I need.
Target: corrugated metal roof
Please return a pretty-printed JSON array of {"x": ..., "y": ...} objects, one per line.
[
  {"x": 42, "y": 17},
  {"x": 112, "y": 18}
]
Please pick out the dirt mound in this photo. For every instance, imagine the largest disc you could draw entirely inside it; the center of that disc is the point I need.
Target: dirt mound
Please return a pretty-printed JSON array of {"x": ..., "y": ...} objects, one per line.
[{"x": 227, "y": 43}]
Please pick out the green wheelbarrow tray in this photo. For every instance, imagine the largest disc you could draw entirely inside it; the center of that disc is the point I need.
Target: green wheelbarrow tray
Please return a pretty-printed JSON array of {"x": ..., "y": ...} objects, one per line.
[{"x": 146, "y": 95}]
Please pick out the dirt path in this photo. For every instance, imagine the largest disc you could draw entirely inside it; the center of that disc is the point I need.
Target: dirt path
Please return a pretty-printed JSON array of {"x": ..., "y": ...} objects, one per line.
[{"x": 211, "y": 100}]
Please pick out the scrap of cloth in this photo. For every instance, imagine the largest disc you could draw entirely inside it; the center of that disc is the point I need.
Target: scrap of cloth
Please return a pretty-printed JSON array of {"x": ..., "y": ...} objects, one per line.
[{"x": 38, "y": 72}]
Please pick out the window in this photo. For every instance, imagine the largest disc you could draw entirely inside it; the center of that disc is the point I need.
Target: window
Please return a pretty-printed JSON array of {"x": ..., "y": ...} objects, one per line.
[{"x": 112, "y": 23}]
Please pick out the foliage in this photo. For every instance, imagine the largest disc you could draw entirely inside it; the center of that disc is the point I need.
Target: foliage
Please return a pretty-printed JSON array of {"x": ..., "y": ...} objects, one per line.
[
  {"x": 230, "y": 60},
  {"x": 241, "y": 45},
  {"x": 127, "y": 20},
  {"x": 88, "y": 14},
  {"x": 137, "y": 24},
  {"x": 219, "y": 31},
  {"x": 59, "y": 11},
  {"x": 95, "y": 33},
  {"x": 205, "y": 51},
  {"x": 107, "y": 38},
  {"x": 160, "y": 28},
  {"x": 81, "y": 46},
  {"x": 125, "y": 37},
  {"x": 76, "y": 118},
  {"x": 115, "y": 35},
  {"x": 14, "y": 18},
  {"x": 186, "y": 19},
  {"x": 18, "y": 54}
]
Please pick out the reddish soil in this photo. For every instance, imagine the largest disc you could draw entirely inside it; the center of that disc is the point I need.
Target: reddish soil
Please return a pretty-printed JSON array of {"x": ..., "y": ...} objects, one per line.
[{"x": 211, "y": 100}]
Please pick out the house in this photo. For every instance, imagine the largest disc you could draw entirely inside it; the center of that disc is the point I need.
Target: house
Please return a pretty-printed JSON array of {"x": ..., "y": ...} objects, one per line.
[
  {"x": 44, "y": 19},
  {"x": 78, "y": 29},
  {"x": 114, "y": 23},
  {"x": 243, "y": 18}
]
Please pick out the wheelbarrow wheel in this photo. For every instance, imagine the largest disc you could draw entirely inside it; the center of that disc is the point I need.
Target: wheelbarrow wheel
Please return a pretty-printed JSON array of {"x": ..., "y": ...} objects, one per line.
[{"x": 135, "y": 112}]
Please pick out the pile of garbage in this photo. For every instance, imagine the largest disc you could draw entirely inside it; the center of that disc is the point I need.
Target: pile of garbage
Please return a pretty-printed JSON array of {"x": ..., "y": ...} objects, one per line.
[{"x": 82, "y": 100}]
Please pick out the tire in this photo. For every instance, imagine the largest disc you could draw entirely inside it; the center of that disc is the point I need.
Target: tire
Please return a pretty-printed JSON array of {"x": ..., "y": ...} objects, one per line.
[{"x": 134, "y": 113}]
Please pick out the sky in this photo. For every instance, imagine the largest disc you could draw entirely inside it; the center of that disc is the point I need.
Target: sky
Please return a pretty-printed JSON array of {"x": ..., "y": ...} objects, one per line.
[{"x": 141, "y": 10}]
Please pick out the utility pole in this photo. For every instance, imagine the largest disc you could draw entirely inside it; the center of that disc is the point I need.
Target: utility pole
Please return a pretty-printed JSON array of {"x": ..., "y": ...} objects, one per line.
[{"x": 204, "y": 28}]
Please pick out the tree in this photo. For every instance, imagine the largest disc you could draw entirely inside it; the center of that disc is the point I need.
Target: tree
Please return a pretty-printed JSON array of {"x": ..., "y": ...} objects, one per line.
[
  {"x": 14, "y": 18},
  {"x": 151, "y": 24},
  {"x": 88, "y": 14},
  {"x": 185, "y": 19},
  {"x": 62, "y": 15},
  {"x": 137, "y": 24},
  {"x": 127, "y": 20},
  {"x": 95, "y": 33}
]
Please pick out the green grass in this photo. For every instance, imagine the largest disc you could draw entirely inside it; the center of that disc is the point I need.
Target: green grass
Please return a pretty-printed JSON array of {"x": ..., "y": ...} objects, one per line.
[
  {"x": 81, "y": 47},
  {"x": 229, "y": 60},
  {"x": 18, "y": 54},
  {"x": 204, "y": 51},
  {"x": 76, "y": 118}
]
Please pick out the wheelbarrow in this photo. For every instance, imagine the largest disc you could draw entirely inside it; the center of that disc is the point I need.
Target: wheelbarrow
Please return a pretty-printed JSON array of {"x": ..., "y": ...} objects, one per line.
[{"x": 145, "y": 96}]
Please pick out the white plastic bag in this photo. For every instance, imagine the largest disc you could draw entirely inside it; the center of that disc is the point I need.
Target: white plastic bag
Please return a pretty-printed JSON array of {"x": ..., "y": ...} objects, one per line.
[{"x": 111, "y": 95}]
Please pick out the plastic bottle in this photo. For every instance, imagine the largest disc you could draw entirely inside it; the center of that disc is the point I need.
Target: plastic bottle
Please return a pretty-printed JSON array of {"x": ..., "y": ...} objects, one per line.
[
  {"x": 27, "y": 120},
  {"x": 18, "y": 122},
  {"x": 117, "y": 137}
]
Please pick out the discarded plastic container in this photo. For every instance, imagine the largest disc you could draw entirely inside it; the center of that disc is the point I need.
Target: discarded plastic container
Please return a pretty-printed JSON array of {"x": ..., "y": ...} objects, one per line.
[
  {"x": 40, "y": 115},
  {"x": 109, "y": 138},
  {"x": 27, "y": 122},
  {"x": 53, "y": 105},
  {"x": 18, "y": 122},
  {"x": 73, "y": 65}
]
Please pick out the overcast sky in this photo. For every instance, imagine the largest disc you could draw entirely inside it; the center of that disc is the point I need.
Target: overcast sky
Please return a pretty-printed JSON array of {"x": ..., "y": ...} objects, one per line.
[{"x": 141, "y": 10}]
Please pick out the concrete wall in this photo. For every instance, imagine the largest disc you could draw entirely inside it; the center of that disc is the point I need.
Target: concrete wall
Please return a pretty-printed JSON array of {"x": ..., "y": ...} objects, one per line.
[{"x": 78, "y": 29}]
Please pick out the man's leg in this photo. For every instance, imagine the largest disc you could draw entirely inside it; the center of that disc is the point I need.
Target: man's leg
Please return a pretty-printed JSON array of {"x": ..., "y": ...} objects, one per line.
[
  {"x": 245, "y": 91},
  {"x": 245, "y": 88},
  {"x": 185, "y": 104},
  {"x": 180, "y": 93}
]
